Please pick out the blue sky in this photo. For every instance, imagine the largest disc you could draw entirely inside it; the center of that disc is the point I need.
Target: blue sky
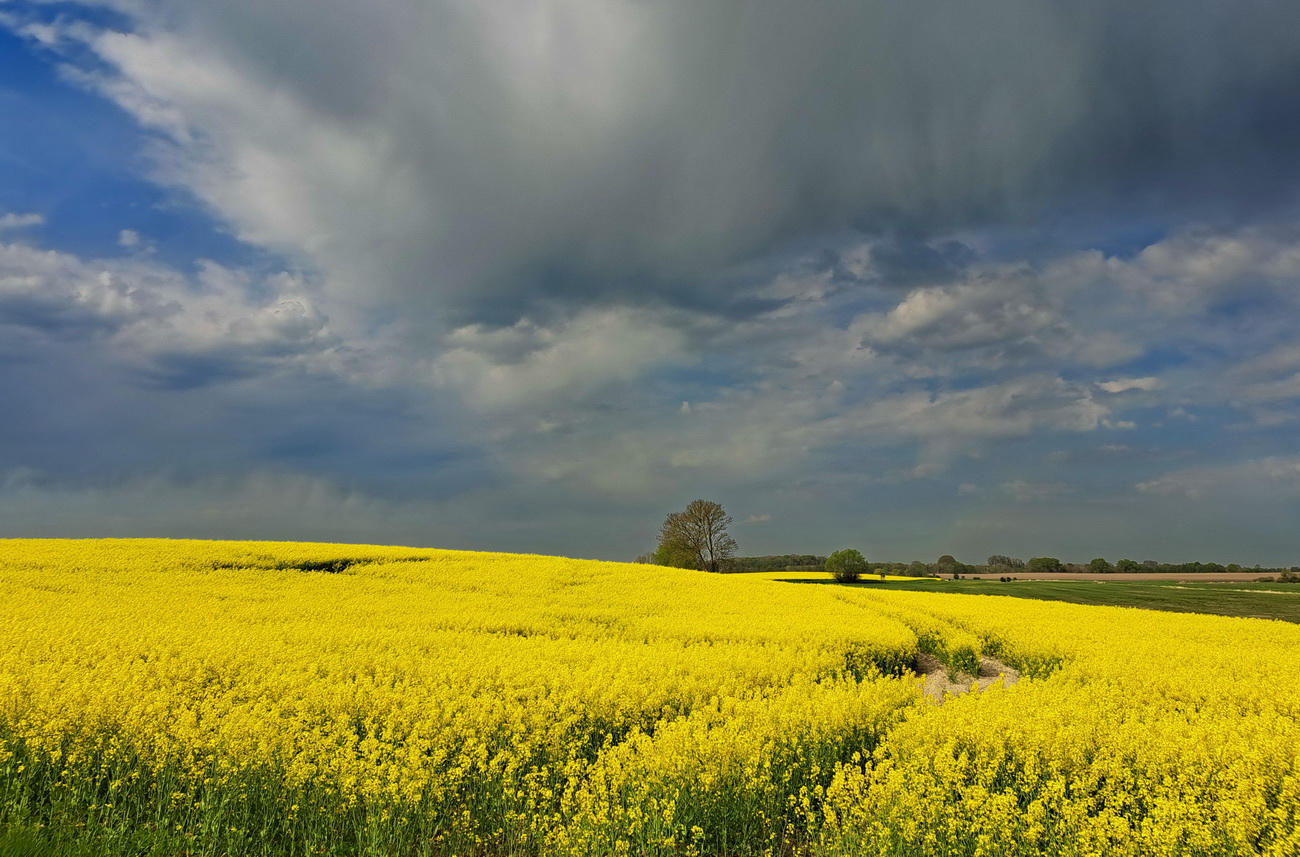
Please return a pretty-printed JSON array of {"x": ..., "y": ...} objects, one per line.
[{"x": 976, "y": 277}]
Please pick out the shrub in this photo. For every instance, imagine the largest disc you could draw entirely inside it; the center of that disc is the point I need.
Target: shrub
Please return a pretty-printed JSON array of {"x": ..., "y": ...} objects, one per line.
[{"x": 846, "y": 565}]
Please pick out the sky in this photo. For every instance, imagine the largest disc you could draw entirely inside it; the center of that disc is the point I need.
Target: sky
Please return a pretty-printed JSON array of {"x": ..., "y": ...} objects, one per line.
[{"x": 958, "y": 277}]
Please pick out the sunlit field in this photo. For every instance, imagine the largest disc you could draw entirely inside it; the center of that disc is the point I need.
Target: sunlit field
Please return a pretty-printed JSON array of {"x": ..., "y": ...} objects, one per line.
[
  {"x": 234, "y": 698},
  {"x": 1253, "y": 600}
]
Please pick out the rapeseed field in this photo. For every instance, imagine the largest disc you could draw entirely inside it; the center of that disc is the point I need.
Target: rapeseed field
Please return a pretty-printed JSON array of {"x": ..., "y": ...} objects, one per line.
[{"x": 236, "y": 698}]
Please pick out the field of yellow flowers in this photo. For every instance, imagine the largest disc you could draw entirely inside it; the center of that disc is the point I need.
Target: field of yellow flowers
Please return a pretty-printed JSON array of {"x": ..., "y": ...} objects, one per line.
[{"x": 238, "y": 698}]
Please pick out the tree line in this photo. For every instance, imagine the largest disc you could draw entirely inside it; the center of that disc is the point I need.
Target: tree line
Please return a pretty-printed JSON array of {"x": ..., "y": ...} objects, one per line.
[
  {"x": 697, "y": 537},
  {"x": 998, "y": 564}
]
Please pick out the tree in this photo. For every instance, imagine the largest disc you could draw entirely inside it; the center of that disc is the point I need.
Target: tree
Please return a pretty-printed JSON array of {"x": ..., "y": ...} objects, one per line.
[
  {"x": 673, "y": 556},
  {"x": 1045, "y": 563},
  {"x": 700, "y": 533},
  {"x": 1128, "y": 565},
  {"x": 947, "y": 564},
  {"x": 1100, "y": 566},
  {"x": 846, "y": 565}
]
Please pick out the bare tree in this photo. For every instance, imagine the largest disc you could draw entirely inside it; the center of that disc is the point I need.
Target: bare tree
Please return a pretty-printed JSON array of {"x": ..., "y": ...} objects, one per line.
[{"x": 699, "y": 532}]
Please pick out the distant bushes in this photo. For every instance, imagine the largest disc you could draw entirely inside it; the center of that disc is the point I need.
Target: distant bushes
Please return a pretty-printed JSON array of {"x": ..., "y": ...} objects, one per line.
[{"x": 779, "y": 562}]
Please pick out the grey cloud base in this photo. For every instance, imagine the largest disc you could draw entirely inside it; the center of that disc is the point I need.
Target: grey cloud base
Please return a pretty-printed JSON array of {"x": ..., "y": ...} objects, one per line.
[{"x": 466, "y": 158}]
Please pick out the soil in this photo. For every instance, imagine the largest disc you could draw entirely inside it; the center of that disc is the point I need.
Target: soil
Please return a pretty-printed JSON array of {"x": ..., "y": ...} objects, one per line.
[{"x": 938, "y": 685}]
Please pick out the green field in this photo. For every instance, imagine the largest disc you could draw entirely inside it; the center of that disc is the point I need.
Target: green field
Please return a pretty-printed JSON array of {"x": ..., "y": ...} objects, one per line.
[{"x": 1252, "y": 600}]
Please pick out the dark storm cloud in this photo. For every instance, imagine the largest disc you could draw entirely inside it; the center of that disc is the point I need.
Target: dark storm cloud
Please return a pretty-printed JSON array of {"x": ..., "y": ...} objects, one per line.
[
  {"x": 1197, "y": 106},
  {"x": 517, "y": 154},
  {"x": 906, "y": 259}
]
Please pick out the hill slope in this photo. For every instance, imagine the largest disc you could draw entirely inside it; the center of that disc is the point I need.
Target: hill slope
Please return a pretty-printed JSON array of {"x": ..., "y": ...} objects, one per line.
[{"x": 280, "y": 698}]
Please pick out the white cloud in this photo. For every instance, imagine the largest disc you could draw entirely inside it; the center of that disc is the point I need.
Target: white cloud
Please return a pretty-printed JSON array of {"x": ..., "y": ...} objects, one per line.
[
  {"x": 1260, "y": 477},
  {"x": 996, "y": 316},
  {"x": 150, "y": 315},
  {"x": 1123, "y": 385},
  {"x": 980, "y": 312},
  {"x": 1036, "y": 492},
  {"x": 128, "y": 238},
  {"x": 1184, "y": 273},
  {"x": 12, "y": 220},
  {"x": 531, "y": 362},
  {"x": 1009, "y": 409},
  {"x": 1204, "y": 261},
  {"x": 774, "y": 432}
]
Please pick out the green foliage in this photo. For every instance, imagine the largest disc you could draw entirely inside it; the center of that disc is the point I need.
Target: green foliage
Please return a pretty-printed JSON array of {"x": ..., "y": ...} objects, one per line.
[
  {"x": 15, "y": 843},
  {"x": 700, "y": 532},
  {"x": 846, "y": 565},
  {"x": 778, "y": 562},
  {"x": 87, "y": 841},
  {"x": 1045, "y": 563},
  {"x": 1240, "y": 598},
  {"x": 673, "y": 555},
  {"x": 1100, "y": 566}
]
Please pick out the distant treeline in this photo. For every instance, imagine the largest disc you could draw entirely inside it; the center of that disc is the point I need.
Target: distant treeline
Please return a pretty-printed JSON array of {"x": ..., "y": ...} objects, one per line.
[
  {"x": 781, "y": 562},
  {"x": 999, "y": 564},
  {"x": 996, "y": 565},
  {"x": 811, "y": 562},
  {"x": 697, "y": 537},
  {"x": 1002, "y": 565}
]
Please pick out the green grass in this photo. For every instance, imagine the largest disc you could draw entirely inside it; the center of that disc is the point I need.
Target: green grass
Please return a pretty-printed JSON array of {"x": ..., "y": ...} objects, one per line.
[
  {"x": 22, "y": 842},
  {"x": 1254, "y": 600}
]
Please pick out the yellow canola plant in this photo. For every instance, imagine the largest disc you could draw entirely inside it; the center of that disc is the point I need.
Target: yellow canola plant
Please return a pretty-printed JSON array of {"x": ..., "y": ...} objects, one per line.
[{"x": 282, "y": 698}]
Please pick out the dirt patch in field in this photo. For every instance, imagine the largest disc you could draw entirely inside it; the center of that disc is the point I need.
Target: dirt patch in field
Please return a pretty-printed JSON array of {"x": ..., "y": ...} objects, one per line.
[{"x": 938, "y": 683}]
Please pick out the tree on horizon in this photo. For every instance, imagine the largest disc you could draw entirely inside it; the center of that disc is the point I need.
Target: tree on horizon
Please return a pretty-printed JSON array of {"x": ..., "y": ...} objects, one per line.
[
  {"x": 847, "y": 565},
  {"x": 700, "y": 533}
]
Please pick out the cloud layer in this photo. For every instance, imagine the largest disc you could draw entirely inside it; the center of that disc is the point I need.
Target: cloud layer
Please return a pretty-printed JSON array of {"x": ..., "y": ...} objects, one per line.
[
  {"x": 481, "y": 157},
  {"x": 862, "y": 268}
]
